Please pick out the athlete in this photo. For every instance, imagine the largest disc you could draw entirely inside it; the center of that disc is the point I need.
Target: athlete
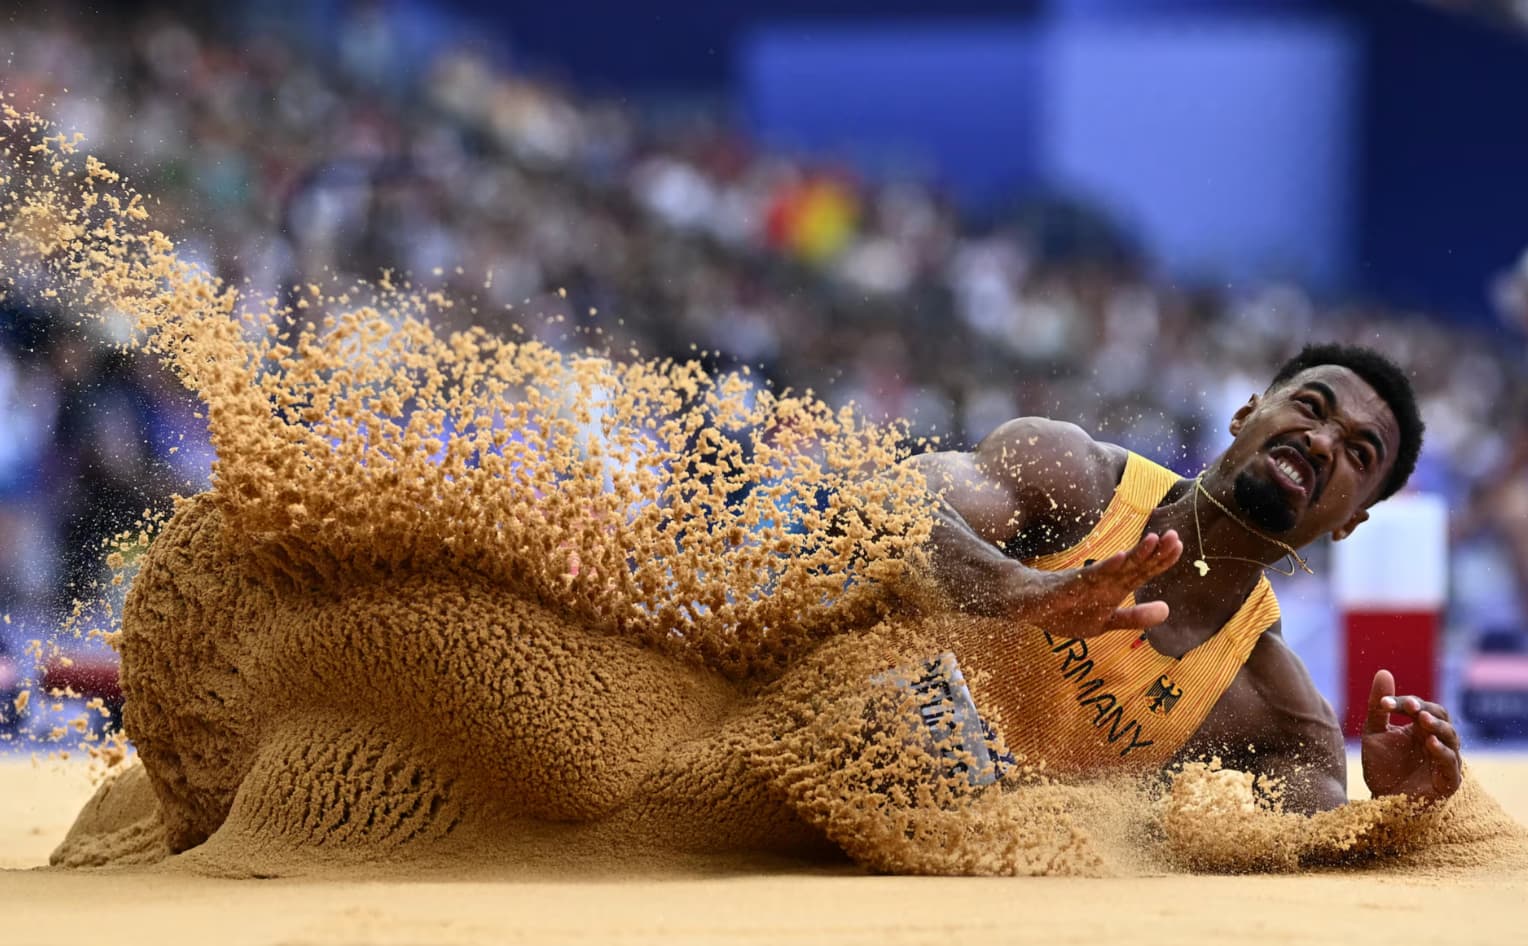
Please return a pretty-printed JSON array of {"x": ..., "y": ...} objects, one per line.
[{"x": 1117, "y": 615}]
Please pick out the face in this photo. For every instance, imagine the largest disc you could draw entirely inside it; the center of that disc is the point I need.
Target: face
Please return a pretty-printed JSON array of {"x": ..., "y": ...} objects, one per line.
[{"x": 1312, "y": 454}]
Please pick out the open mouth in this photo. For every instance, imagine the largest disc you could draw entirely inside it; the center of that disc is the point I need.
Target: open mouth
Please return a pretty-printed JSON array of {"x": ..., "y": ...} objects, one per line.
[{"x": 1292, "y": 471}]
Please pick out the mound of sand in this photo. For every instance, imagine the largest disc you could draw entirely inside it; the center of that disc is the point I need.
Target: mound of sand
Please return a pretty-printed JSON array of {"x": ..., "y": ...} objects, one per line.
[{"x": 436, "y": 717}]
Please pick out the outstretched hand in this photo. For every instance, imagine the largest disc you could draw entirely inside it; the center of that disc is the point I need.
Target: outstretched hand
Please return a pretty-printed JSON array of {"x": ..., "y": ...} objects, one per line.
[
  {"x": 1085, "y": 602},
  {"x": 1419, "y": 759}
]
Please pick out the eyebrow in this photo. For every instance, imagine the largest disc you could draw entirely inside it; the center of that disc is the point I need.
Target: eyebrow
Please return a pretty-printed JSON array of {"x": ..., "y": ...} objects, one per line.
[{"x": 1367, "y": 433}]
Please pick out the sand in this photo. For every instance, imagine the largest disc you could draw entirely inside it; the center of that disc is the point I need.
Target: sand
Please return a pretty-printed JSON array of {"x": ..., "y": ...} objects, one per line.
[{"x": 769, "y": 901}]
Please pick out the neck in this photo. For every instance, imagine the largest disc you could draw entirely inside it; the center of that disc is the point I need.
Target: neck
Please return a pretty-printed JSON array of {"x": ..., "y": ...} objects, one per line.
[{"x": 1235, "y": 552}]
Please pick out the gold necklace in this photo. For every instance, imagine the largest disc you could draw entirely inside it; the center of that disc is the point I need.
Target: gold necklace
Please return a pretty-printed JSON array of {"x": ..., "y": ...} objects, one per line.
[{"x": 1204, "y": 566}]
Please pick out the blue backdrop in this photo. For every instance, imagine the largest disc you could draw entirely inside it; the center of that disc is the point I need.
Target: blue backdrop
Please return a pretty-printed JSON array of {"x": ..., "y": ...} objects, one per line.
[{"x": 957, "y": 101}]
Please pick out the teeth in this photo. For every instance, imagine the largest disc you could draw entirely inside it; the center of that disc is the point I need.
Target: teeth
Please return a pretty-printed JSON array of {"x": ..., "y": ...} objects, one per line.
[{"x": 1290, "y": 472}]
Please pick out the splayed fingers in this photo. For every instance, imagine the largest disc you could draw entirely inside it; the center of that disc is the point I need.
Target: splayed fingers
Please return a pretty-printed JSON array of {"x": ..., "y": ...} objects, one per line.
[
  {"x": 1420, "y": 758},
  {"x": 1431, "y": 717},
  {"x": 1123, "y": 573},
  {"x": 1439, "y": 739},
  {"x": 1133, "y": 567},
  {"x": 1086, "y": 601}
]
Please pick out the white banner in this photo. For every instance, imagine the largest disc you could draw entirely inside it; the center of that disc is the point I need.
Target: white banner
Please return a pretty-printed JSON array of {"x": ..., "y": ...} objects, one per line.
[{"x": 1398, "y": 560}]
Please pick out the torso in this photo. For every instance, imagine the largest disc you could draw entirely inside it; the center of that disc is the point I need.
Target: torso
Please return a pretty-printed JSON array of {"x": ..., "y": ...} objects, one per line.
[{"x": 1270, "y": 706}]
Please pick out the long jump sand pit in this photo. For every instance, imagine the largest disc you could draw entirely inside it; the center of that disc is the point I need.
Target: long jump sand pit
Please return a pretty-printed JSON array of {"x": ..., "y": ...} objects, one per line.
[{"x": 728, "y": 900}]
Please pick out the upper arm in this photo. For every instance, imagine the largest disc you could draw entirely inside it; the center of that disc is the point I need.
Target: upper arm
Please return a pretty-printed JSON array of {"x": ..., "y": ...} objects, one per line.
[
  {"x": 1310, "y": 781},
  {"x": 1028, "y": 471},
  {"x": 1304, "y": 747}
]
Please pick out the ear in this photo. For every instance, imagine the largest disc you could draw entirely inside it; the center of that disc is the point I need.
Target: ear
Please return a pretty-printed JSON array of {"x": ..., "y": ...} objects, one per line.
[
  {"x": 1240, "y": 417},
  {"x": 1346, "y": 529}
]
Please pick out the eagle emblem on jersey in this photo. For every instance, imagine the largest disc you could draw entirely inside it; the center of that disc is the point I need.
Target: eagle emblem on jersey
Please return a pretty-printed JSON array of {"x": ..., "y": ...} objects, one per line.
[{"x": 1163, "y": 696}]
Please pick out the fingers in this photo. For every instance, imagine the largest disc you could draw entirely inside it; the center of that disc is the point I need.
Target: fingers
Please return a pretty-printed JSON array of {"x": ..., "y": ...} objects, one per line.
[
  {"x": 1124, "y": 572},
  {"x": 1144, "y": 548},
  {"x": 1126, "y": 560},
  {"x": 1440, "y": 729},
  {"x": 1414, "y": 705},
  {"x": 1138, "y": 617},
  {"x": 1169, "y": 550},
  {"x": 1381, "y": 702},
  {"x": 1120, "y": 562},
  {"x": 1430, "y": 717},
  {"x": 1147, "y": 559},
  {"x": 1446, "y": 772}
]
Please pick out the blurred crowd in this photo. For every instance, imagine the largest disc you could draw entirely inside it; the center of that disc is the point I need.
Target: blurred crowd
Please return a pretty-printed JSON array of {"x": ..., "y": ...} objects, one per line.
[{"x": 281, "y": 162}]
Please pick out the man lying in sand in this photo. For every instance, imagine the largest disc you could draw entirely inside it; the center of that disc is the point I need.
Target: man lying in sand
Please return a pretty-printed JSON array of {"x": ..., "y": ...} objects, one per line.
[{"x": 1146, "y": 655}]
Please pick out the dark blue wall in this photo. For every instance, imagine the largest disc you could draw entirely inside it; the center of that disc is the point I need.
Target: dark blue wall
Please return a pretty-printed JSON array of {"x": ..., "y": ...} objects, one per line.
[
  {"x": 684, "y": 43},
  {"x": 690, "y": 43},
  {"x": 950, "y": 101}
]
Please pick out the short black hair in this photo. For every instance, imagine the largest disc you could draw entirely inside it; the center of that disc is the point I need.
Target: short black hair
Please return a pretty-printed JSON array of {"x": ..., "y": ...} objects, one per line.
[{"x": 1388, "y": 381}]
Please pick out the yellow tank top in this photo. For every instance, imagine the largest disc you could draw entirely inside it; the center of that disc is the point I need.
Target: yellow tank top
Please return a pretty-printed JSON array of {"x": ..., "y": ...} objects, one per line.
[{"x": 1111, "y": 702}]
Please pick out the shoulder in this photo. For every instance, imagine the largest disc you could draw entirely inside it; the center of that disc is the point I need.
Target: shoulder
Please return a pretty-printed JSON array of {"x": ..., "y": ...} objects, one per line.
[
  {"x": 1052, "y": 461},
  {"x": 1031, "y": 486},
  {"x": 1042, "y": 434}
]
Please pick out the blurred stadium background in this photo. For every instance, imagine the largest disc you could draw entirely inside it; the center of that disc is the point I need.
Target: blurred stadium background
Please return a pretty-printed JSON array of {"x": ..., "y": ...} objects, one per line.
[{"x": 1119, "y": 212}]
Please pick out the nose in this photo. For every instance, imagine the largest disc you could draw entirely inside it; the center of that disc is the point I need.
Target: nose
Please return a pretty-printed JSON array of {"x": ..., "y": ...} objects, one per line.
[{"x": 1321, "y": 442}]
